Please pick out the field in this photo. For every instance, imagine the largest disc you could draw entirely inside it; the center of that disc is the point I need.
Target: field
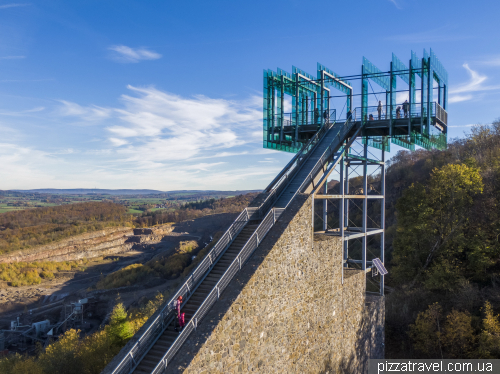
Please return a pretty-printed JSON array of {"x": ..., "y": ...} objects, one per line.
[{"x": 136, "y": 204}]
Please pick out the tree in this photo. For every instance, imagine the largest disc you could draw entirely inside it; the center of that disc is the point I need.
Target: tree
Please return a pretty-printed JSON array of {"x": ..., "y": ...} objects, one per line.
[
  {"x": 459, "y": 338},
  {"x": 119, "y": 328},
  {"x": 62, "y": 356},
  {"x": 426, "y": 332},
  {"x": 489, "y": 345},
  {"x": 429, "y": 241}
]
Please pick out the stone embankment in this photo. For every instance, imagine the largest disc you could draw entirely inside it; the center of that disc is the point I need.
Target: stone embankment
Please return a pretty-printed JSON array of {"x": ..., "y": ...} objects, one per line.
[{"x": 105, "y": 242}]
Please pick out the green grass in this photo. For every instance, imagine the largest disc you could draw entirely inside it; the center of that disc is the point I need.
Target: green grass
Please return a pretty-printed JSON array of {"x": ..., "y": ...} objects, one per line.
[{"x": 134, "y": 211}]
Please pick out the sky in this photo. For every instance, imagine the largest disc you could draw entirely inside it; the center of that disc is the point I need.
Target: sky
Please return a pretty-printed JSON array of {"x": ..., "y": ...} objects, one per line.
[{"x": 167, "y": 95}]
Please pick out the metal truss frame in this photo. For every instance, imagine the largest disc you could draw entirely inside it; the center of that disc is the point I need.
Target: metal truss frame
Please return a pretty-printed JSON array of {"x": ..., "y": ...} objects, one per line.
[{"x": 345, "y": 230}]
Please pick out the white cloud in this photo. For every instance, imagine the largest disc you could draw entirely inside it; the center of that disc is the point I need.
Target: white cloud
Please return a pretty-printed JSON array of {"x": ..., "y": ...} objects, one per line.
[
  {"x": 89, "y": 113},
  {"x": 459, "y": 98},
  {"x": 122, "y": 53},
  {"x": 161, "y": 126},
  {"x": 118, "y": 142},
  {"x": 152, "y": 139},
  {"x": 491, "y": 61},
  {"x": 13, "y": 5},
  {"x": 395, "y": 4},
  {"x": 441, "y": 34},
  {"x": 476, "y": 82}
]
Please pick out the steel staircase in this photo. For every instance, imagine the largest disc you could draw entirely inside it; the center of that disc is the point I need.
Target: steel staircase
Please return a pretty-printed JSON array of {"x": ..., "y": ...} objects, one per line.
[
  {"x": 159, "y": 343},
  {"x": 162, "y": 345}
]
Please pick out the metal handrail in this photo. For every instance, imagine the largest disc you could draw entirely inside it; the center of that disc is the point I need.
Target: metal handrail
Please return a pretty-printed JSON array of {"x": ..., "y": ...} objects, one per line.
[
  {"x": 149, "y": 336},
  {"x": 278, "y": 184},
  {"x": 166, "y": 315},
  {"x": 348, "y": 125},
  {"x": 247, "y": 250}
]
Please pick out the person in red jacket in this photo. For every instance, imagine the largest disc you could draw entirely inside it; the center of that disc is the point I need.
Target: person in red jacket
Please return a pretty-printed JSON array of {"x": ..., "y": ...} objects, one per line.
[{"x": 180, "y": 316}]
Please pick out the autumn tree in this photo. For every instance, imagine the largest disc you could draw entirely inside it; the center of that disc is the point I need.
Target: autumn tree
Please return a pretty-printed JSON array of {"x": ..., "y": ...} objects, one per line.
[{"x": 429, "y": 245}]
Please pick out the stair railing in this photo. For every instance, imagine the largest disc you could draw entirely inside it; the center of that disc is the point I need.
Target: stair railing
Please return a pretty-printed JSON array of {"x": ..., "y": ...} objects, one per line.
[
  {"x": 166, "y": 315},
  {"x": 279, "y": 183},
  {"x": 343, "y": 131},
  {"x": 137, "y": 352},
  {"x": 247, "y": 250}
]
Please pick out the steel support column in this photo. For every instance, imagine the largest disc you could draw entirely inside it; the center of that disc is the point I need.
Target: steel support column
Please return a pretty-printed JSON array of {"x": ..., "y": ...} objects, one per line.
[
  {"x": 325, "y": 208},
  {"x": 365, "y": 203},
  {"x": 282, "y": 109},
  {"x": 382, "y": 221}
]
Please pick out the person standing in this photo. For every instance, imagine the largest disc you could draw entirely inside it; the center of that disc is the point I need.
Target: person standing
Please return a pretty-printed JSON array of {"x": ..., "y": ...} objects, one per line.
[
  {"x": 398, "y": 112},
  {"x": 405, "y": 108},
  {"x": 379, "y": 110},
  {"x": 180, "y": 316},
  {"x": 316, "y": 116}
]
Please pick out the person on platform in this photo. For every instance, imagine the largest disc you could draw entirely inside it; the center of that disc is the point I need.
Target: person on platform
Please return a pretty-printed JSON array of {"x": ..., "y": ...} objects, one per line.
[
  {"x": 180, "y": 316},
  {"x": 379, "y": 110},
  {"x": 398, "y": 112},
  {"x": 316, "y": 116},
  {"x": 325, "y": 116},
  {"x": 406, "y": 106},
  {"x": 349, "y": 115},
  {"x": 370, "y": 118}
]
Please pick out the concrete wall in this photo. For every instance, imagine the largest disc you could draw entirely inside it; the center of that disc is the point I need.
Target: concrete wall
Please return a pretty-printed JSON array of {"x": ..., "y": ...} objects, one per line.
[{"x": 287, "y": 311}]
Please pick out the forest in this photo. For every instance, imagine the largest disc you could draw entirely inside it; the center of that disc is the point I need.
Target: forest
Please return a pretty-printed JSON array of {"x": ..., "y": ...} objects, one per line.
[
  {"x": 196, "y": 209},
  {"x": 443, "y": 225},
  {"x": 31, "y": 227}
]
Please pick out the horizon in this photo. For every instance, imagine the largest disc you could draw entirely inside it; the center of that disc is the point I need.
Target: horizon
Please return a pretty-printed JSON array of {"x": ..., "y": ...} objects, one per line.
[{"x": 169, "y": 96}]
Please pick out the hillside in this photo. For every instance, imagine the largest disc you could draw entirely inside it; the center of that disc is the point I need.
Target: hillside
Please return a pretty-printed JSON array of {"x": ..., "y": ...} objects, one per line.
[
  {"x": 31, "y": 227},
  {"x": 443, "y": 251}
]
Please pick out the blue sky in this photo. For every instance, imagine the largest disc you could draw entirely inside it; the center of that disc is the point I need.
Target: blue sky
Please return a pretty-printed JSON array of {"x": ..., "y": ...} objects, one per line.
[{"x": 167, "y": 95}]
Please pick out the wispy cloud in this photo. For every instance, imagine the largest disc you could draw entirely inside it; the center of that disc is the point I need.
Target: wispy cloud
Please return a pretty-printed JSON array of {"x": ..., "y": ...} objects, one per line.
[
  {"x": 441, "y": 34},
  {"x": 476, "y": 83},
  {"x": 23, "y": 112},
  {"x": 12, "y": 57},
  {"x": 395, "y": 4},
  {"x": 459, "y": 98},
  {"x": 13, "y": 5},
  {"x": 490, "y": 61},
  {"x": 151, "y": 138},
  {"x": 89, "y": 113},
  {"x": 122, "y": 53},
  {"x": 472, "y": 125}
]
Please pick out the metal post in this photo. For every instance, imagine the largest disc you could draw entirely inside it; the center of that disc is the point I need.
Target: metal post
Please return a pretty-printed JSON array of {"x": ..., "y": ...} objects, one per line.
[
  {"x": 445, "y": 94},
  {"x": 429, "y": 88},
  {"x": 346, "y": 206},
  {"x": 307, "y": 110},
  {"x": 410, "y": 99},
  {"x": 346, "y": 187},
  {"x": 365, "y": 205},
  {"x": 297, "y": 101},
  {"x": 422, "y": 80},
  {"x": 282, "y": 114},
  {"x": 322, "y": 98},
  {"x": 439, "y": 93},
  {"x": 382, "y": 221},
  {"x": 312, "y": 217},
  {"x": 273, "y": 110},
  {"x": 341, "y": 212},
  {"x": 325, "y": 207},
  {"x": 390, "y": 98}
]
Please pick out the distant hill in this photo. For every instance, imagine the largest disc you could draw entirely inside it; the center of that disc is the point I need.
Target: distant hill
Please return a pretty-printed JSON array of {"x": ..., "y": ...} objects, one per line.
[{"x": 98, "y": 191}]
